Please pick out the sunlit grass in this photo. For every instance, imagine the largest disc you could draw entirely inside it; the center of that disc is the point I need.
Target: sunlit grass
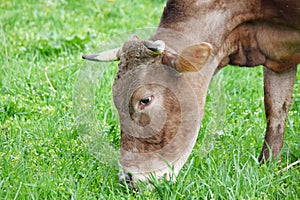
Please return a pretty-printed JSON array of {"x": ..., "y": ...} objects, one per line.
[{"x": 41, "y": 153}]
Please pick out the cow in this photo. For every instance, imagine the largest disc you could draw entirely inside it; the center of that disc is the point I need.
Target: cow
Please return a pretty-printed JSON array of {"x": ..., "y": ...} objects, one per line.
[{"x": 161, "y": 84}]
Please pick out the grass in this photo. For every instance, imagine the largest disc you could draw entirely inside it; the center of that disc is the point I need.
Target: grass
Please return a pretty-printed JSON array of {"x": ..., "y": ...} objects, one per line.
[{"x": 42, "y": 155}]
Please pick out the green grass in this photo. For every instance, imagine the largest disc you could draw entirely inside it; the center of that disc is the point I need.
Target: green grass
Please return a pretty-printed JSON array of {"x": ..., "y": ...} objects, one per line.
[{"x": 41, "y": 153}]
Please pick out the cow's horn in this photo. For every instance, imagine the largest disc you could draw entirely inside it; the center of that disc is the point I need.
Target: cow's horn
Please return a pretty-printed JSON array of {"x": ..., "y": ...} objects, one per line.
[
  {"x": 110, "y": 55},
  {"x": 157, "y": 46}
]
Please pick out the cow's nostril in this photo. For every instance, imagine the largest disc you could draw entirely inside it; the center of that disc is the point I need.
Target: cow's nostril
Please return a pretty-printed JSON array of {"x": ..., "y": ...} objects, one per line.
[
  {"x": 128, "y": 178},
  {"x": 125, "y": 178}
]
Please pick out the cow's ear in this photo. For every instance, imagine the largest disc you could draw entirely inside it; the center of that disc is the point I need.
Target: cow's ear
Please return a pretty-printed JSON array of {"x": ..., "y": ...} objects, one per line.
[{"x": 193, "y": 58}]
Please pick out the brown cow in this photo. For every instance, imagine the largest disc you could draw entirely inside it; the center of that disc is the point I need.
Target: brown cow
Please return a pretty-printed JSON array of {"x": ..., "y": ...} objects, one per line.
[{"x": 161, "y": 84}]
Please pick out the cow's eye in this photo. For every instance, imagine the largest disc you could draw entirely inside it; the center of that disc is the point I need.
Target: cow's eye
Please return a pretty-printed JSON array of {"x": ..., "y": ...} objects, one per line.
[{"x": 146, "y": 101}]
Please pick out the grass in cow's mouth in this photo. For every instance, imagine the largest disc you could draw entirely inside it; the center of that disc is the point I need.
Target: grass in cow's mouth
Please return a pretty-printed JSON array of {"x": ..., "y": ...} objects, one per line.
[{"x": 41, "y": 153}]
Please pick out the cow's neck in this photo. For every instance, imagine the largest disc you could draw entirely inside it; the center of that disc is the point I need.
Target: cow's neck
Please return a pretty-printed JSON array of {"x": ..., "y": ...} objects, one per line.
[
  {"x": 210, "y": 20},
  {"x": 188, "y": 23}
]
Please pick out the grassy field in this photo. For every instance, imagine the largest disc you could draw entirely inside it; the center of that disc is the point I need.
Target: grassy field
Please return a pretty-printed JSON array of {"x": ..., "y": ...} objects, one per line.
[{"x": 42, "y": 155}]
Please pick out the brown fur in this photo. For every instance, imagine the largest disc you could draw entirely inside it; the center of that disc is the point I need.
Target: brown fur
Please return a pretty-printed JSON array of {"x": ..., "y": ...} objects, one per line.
[
  {"x": 133, "y": 54},
  {"x": 177, "y": 11}
]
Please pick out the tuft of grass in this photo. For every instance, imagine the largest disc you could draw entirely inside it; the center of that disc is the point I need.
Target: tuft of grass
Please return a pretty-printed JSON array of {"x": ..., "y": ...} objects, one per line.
[{"x": 42, "y": 154}]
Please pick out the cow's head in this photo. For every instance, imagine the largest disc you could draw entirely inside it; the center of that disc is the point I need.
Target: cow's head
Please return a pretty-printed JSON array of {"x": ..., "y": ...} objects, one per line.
[{"x": 160, "y": 96}]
